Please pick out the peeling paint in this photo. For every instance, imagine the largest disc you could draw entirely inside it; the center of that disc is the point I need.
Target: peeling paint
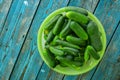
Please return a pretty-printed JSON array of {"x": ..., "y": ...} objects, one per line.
[
  {"x": 42, "y": 70},
  {"x": 26, "y": 3},
  {"x": 11, "y": 62}
]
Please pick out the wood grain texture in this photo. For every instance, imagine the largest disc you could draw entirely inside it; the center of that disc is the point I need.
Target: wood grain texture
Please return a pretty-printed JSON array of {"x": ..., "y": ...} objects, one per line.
[
  {"x": 108, "y": 13},
  {"x": 109, "y": 68},
  {"x": 4, "y": 9},
  {"x": 88, "y": 75},
  {"x": 8, "y": 29},
  {"x": 55, "y": 76},
  {"x": 89, "y": 5},
  {"x": 72, "y": 77},
  {"x": 26, "y": 65},
  {"x": 44, "y": 72},
  {"x": 13, "y": 34}
]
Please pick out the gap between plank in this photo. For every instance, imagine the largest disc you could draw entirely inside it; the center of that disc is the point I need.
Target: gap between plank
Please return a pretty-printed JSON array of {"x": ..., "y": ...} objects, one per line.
[
  {"x": 96, "y": 6},
  {"x": 24, "y": 39},
  {"x": 68, "y": 3},
  {"x": 106, "y": 48},
  {"x": 6, "y": 16},
  {"x": 39, "y": 71}
]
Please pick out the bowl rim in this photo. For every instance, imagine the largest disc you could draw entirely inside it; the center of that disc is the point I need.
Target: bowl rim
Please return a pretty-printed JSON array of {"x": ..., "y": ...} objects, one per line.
[{"x": 40, "y": 39}]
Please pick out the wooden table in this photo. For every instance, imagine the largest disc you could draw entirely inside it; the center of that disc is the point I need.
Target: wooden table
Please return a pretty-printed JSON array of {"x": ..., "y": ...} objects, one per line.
[{"x": 19, "y": 24}]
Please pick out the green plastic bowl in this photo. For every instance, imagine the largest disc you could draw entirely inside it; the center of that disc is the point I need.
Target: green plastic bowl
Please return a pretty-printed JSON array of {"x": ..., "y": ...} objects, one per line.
[{"x": 67, "y": 70}]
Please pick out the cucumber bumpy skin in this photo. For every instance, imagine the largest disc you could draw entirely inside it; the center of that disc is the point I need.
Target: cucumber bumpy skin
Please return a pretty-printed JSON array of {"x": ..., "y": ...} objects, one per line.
[
  {"x": 70, "y": 50},
  {"x": 91, "y": 51},
  {"x": 79, "y": 58},
  {"x": 66, "y": 44},
  {"x": 66, "y": 30},
  {"x": 58, "y": 25},
  {"x": 78, "y": 17},
  {"x": 86, "y": 55},
  {"x": 82, "y": 11},
  {"x": 51, "y": 23},
  {"x": 56, "y": 51},
  {"x": 79, "y": 31},
  {"x": 94, "y": 35},
  {"x": 69, "y": 63},
  {"x": 49, "y": 57},
  {"x": 75, "y": 40},
  {"x": 50, "y": 37}
]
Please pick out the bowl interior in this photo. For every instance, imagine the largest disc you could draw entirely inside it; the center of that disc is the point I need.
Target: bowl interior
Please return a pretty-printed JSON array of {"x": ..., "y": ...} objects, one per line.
[{"x": 66, "y": 70}]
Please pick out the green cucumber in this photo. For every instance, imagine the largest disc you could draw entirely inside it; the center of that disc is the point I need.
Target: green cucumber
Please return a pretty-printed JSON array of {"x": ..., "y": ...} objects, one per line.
[
  {"x": 45, "y": 36},
  {"x": 78, "y": 17},
  {"x": 66, "y": 30},
  {"x": 69, "y": 63},
  {"x": 70, "y": 50},
  {"x": 65, "y": 23},
  {"x": 81, "y": 59},
  {"x": 91, "y": 51},
  {"x": 56, "y": 51},
  {"x": 79, "y": 31},
  {"x": 52, "y": 22},
  {"x": 58, "y": 25},
  {"x": 69, "y": 57},
  {"x": 50, "y": 37},
  {"x": 47, "y": 46},
  {"x": 86, "y": 55},
  {"x": 94, "y": 35},
  {"x": 66, "y": 44},
  {"x": 80, "y": 10},
  {"x": 54, "y": 39},
  {"x": 49, "y": 57},
  {"x": 76, "y": 40},
  {"x": 63, "y": 65}
]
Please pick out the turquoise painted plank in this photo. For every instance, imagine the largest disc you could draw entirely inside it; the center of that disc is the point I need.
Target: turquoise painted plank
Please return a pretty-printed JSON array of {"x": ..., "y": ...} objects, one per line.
[
  {"x": 89, "y": 4},
  {"x": 44, "y": 72},
  {"x": 86, "y": 4},
  {"x": 9, "y": 28},
  {"x": 25, "y": 66},
  {"x": 108, "y": 13},
  {"x": 32, "y": 69},
  {"x": 17, "y": 25},
  {"x": 88, "y": 75},
  {"x": 4, "y": 9},
  {"x": 55, "y": 76},
  {"x": 71, "y": 77},
  {"x": 109, "y": 68},
  {"x": 74, "y": 3}
]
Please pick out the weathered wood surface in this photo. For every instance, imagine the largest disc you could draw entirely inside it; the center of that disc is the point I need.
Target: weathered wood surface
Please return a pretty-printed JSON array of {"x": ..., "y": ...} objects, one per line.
[
  {"x": 13, "y": 35},
  {"x": 4, "y": 9},
  {"x": 19, "y": 24}
]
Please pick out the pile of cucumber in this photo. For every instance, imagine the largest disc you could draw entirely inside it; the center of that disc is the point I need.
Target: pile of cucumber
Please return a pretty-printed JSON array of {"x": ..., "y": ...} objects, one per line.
[{"x": 71, "y": 39}]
